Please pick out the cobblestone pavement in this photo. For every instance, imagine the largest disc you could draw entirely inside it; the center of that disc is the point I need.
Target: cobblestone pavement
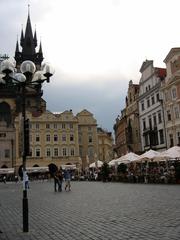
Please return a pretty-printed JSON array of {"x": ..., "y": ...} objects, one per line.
[{"x": 92, "y": 210}]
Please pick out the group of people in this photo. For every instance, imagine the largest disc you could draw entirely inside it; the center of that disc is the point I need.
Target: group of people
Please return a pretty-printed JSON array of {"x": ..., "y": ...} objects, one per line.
[{"x": 59, "y": 175}]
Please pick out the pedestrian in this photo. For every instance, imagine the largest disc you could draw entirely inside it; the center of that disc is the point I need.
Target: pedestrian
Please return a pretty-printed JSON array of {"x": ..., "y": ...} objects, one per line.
[
  {"x": 60, "y": 180},
  {"x": 56, "y": 179},
  {"x": 4, "y": 179},
  {"x": 67, "y": 178},
  {"x": 26, "y": 180}
]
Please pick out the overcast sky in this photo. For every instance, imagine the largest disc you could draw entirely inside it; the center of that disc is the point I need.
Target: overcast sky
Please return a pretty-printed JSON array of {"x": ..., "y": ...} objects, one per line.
[{"x": 95, "y": 46}]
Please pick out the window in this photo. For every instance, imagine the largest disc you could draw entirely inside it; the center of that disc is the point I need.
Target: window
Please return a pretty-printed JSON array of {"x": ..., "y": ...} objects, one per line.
[
  {"x": 142, "y": 106},
  {"x": 38, "y": 152},
  {"x": 63, "y": 125},
  {"x": 176, "y": 112},
  {"x": 144, "y": 124},
  {"x": 152, "y": 100},
  {"x": 72, "y": 152},
  {"x": 148, "y": 102},
  {"x": 56, "y": 152},
  {"x": 64, "y": 152},
  {"x": 37, "y": 125},
  {"x": 71, "y": 125},
  {"x": 157, "y": 97},
  {"x": 55, "y": 125},
  {"x": 173, "y": 93},
  {"x": 154, "y": 119},
  {"x": 63, "y": 137},
  {"x": 37, "y": 138},
  {"x": 90, "y": 138},
  {"x": 178, "y": 138},
  {"x": 47, "y": 125},
  {"x": 7, "y": 153},
  {"x": 150, "y": 122},
  {"x": 48, "y": 138},
  {"x": 55, "y": 137},
  {"x": 48, "y": 152},
  {"x": 171, "y": 140},
  {"x": 71, "y": 137},
  {"x": 168, "y": 115},
  {"x": 146, "y": 140},
  {"x": 161, "y": 136},
  {"x": 159, "y": 117}
]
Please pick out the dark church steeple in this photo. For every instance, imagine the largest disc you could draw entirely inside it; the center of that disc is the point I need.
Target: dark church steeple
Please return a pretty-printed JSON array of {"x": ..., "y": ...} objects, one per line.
[{"x": 28, "y": 43}]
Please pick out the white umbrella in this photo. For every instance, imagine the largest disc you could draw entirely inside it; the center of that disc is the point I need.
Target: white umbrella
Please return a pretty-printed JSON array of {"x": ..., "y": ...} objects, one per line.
[
  {"x": 171, "y": 153},
  {"x": 149, "y": 155},
  {"x": 99, "y": 164},
  {"x": 129, "y": 157},
  {"x": 112, "y": 162}
]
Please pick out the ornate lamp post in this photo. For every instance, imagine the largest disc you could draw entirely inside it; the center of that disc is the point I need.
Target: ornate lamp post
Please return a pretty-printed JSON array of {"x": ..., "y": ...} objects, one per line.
[{"x": 33, "y": 79}]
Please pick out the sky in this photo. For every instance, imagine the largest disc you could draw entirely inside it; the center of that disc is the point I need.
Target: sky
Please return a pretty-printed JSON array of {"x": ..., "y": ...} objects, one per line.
[{"x": 95, "y": 46}]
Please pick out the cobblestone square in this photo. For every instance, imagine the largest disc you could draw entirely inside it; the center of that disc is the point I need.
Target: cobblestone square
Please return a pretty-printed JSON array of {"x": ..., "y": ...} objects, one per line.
[{"x": 92, "y": 210}]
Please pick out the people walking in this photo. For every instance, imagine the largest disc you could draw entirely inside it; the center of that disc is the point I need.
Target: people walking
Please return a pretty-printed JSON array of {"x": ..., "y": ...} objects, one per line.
[
  {"x": 56, "y": 181},
  {"x": 60, "y": 180},
  {"x": 67, "y": 178}
]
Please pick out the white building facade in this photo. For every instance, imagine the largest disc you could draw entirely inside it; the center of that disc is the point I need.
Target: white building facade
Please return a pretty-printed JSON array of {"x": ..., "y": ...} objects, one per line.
[{"x": 151, "y": 115}]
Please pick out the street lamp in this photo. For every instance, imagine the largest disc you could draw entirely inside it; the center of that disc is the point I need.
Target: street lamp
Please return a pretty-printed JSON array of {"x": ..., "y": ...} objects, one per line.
[{"x": 28, "y": 77}]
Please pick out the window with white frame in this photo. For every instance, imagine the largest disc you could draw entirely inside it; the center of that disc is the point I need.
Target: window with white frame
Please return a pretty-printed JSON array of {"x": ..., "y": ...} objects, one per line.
[
  {"x": 152, "y": 100},
  {"x": 47, "y": 125},
  {"x": 64, "y": 137},
  {"x": 72, "y": 152},
  {"x": 176, "y": 112},
  {"x": 71, "y": 125},
  {"x": 161, "y": 136},
  {"x": 37, "y": 125},
  {"x": 63, "y": 125},
  {"x": 159, "y": 117},
  {"x": 144, "y": 124},
  {"x": 48, "y": 152},
  {"x": 142, "y": 106},
  {"x": 55, "y": 137},
  {"x": 37, "y": 138},
  {"x": 168, "y": 115},
  {"x": 173, "y": 92},
  {"x": 71, "y": 137},
  {"x": 56, "y": 152},
  {"x": 48, "y": 137},
  {"x": 55, "y": 125},
  {"x": 38, "y": 152},
  {"x": 148, "y": 102},
  {"x": 64, "y": 152},
  {"x": 171, "y": 140}
]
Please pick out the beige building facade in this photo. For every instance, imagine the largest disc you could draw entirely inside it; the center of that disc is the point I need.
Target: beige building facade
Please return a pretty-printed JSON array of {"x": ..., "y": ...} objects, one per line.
[
  {"x": 171, "y": 97},
  {"x": 105, "y": 145}
]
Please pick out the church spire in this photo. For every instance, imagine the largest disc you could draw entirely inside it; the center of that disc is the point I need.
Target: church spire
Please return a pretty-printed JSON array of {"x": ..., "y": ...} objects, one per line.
[{"x": 28, "y": 42}]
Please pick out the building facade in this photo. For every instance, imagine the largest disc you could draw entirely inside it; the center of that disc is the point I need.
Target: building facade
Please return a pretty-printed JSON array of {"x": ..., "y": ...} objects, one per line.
[
  {"x": 120, "y": 127},
  {"x": 171, "y": 97},
  {"x": 151, "y": 116},
  {"x": 88, "y": 139},
  {"x": 132, "y": 117},
  {"x": 105, "y": 145}
]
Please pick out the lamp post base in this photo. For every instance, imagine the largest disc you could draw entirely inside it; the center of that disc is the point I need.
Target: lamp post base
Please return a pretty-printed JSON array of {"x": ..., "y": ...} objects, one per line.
[{"x": 25, "y": 212}]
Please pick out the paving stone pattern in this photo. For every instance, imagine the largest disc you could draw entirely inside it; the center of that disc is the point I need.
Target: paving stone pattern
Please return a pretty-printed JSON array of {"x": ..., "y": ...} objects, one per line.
[{"x": 92, "y": 211}]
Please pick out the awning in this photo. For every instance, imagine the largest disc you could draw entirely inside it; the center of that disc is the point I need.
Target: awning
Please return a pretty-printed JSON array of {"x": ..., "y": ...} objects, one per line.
[
  {"x": 72, "y": 166},
  {"x": 37, "y": 169},
  {"x": 6, "y": 170}
]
